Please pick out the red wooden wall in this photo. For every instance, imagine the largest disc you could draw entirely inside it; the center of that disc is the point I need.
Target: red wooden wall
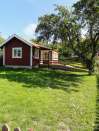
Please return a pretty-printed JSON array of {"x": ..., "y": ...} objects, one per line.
[{"x": 24, "y": 61}]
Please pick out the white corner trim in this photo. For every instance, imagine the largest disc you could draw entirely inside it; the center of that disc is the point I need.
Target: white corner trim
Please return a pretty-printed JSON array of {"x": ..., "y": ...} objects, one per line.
[
  {"x": 4, "y": 56},
  {"x": 31, "y": 54}
]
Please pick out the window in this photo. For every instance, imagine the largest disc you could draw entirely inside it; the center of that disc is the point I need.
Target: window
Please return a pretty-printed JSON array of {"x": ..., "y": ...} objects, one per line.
[
  {"x": 36, "y": 54},
  {"x": 45, "y": 56},
  {"x": 17, "y": 52}
]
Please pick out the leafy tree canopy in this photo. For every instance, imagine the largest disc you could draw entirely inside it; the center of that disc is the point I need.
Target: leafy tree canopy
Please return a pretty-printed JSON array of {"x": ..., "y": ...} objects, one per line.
[
  {"x": 65, "y": 26},
  {"x": 1, "y": 39}
]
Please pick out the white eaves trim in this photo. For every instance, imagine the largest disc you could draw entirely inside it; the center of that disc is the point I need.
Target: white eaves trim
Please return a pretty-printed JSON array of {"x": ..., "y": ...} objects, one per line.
[{"x": 18, "y": 37}]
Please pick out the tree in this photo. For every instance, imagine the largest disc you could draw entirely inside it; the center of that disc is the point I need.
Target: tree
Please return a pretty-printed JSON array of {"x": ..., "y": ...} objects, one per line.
[
  {"x": 1, "y": 39},
  {"x": 49, "y": 31},
  {"x": 87, "y": 13},
  {"x": 66, "y": 26}
]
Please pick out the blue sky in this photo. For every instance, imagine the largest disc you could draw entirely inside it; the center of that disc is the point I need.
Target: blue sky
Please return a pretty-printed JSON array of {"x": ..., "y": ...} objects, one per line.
[{"x": 21, "y": 16}]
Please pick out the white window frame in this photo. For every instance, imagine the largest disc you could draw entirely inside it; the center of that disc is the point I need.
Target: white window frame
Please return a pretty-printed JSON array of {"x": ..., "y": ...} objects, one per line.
[
  {"x": 16, "y": 48},
  {"x": 36, "y": 53}
]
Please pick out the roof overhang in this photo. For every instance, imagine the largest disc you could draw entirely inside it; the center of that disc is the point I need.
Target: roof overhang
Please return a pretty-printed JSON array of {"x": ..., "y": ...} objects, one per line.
[
  {"x": 41, "y": 47},
  {"x": 17, "y": 37},
  {"x": 24, "y": 41}
]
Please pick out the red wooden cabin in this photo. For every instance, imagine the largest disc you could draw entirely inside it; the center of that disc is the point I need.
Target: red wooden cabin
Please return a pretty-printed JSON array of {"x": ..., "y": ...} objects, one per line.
[{"x": 19, "y": 53}]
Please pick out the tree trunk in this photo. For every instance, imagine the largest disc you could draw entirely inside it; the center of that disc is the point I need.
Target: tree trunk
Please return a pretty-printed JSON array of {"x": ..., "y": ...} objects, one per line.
[{"x": 90, "y": 66}]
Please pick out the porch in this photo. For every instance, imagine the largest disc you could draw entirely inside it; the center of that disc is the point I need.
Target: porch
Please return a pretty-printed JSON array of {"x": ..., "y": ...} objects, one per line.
[
  {"x": 44, "y": 57},
  {"x": 41, "y": 56}
]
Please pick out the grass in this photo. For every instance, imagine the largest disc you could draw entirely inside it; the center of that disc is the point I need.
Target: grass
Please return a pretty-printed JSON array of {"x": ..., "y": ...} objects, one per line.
[
  {"x": 73, "y": 62},
  {"x": 48, "y": 100}
]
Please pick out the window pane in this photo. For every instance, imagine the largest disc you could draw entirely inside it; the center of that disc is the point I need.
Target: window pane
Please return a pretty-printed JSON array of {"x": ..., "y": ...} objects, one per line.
[
  {"x": 36, "y": 54},
  {"x": 17, "y": 52}
]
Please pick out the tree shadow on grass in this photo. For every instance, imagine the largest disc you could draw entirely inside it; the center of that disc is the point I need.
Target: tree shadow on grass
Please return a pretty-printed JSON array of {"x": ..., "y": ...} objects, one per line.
[
  {"x": 44, "y": 78},
  {"x": 97, "y": 106}
]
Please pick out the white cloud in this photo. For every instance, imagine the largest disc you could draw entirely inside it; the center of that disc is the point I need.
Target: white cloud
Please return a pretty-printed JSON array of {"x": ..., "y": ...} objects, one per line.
[
  {"x": 29, "y": 31},
  {"x": 75, "y": 0}
]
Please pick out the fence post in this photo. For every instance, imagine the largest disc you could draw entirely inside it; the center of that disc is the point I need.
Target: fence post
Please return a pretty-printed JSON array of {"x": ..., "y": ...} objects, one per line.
[
  {"x": 17, "y": 129},
  {"x": 5, "y": 127}
]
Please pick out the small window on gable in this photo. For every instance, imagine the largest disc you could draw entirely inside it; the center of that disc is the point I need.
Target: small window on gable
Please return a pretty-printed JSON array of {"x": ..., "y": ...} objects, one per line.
[{"x": 17, "y": 52}]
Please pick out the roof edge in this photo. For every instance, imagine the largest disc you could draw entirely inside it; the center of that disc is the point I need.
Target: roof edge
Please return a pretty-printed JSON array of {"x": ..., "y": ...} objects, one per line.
[
  {"x": 23, "y": 40},
  {"x": 18, "y": 37}
]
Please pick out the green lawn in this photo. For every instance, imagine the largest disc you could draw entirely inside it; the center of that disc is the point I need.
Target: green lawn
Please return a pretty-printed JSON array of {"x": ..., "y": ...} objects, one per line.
[
  {"x": 73, "y": 62},
  {"x": 48, "y": 100}
]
